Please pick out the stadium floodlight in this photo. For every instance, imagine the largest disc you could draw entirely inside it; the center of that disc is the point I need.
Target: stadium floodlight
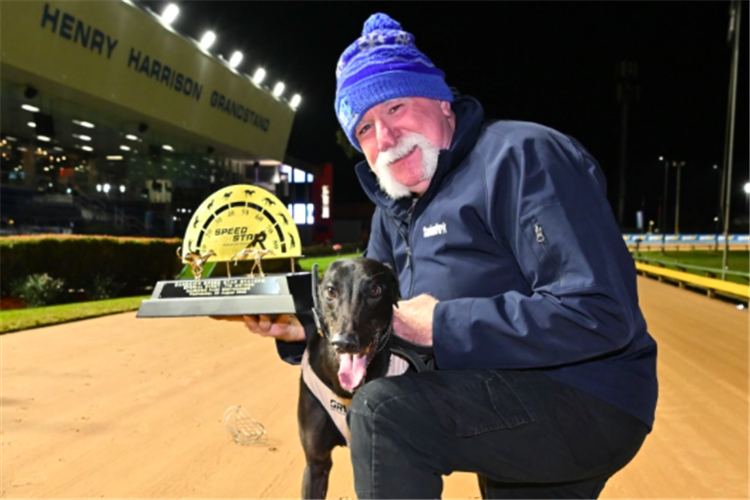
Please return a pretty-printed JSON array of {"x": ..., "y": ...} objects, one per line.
[
  {"x": 259, "y": 75},
  {"x": 124, "y": 148},
  {"x": 83, "y": 124},
  {"x": 131, "y": 137},
  {"x": 278, "y": 89},
  {"x": 296, "y": 99},
  {"x": 87, "y": 148},
  {"x": 31, "y": 124},
  {"x": 236, "y": 58},
  {"x": 208, "y": 39},
  {"x": 43, "y": 138},
  {"x": 170, "y": 14},
  {"x": 29, "y": 107},
  {"x": 168, "y": 147},
  {"x": 114, "y": 157}
]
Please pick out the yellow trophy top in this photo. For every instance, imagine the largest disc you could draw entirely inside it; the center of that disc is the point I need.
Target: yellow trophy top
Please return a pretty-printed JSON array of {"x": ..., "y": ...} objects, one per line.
[{"x": 242, "y": 217}]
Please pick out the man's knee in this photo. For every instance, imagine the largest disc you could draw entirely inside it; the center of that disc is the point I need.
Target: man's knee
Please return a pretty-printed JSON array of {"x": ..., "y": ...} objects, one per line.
[{"x": 379, "y": 395}]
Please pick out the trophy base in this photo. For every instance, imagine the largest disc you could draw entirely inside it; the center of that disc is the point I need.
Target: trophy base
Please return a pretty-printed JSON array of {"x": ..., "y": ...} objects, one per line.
[{"x": 271, "y": 294}]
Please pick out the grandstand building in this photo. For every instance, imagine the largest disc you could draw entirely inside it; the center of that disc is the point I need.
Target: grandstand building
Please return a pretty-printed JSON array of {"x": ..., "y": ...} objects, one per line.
[{"x": 112, "y": 122}]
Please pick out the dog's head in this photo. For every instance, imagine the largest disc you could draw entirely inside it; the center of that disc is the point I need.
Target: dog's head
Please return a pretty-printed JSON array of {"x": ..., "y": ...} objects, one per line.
[{"x": 356, "y": 298}]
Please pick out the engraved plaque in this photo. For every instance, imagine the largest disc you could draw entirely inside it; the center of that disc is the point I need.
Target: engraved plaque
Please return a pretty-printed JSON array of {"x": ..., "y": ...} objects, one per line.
[{"x": 271, "y": 294}]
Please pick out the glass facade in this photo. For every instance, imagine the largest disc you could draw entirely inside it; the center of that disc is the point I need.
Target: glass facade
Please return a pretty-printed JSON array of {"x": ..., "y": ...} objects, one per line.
[
  {"x": 74, "y": 169},
  {"x": 100, "y": 142}
]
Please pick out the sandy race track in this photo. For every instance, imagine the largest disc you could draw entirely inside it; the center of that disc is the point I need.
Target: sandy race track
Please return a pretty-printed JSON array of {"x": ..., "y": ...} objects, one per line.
[{"x": 119, "y": 407}]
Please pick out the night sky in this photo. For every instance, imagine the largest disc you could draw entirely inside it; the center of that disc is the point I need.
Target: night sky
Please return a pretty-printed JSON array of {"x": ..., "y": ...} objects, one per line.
[{"x": 547, "y": 62}]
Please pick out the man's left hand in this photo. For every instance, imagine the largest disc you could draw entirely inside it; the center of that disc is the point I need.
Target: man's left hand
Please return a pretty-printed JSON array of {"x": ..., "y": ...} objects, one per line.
[{"x": 412, "y": 319}]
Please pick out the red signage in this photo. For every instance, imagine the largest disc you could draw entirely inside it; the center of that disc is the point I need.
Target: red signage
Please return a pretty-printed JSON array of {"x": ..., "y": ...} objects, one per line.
[{"x": 323, "y": 201}]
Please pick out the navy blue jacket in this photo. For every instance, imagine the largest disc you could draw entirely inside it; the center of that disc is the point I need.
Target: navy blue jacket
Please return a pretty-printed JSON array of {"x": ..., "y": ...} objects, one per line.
[{"x": 516, "y": 239}]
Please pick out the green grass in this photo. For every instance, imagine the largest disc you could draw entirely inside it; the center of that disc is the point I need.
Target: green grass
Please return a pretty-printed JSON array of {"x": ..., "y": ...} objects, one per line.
[
  {"x": 14, "y": 320},
  {"x": 736, "y": 261},
  {"x": 21, "y": 319}
]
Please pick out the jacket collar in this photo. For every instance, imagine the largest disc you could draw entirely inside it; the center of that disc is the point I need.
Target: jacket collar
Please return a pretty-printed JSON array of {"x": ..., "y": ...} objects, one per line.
[{"x": 469, "y": 118}]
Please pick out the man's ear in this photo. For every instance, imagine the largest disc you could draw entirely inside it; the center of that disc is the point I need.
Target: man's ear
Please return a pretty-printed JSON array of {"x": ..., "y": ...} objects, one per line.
[{"x": 445, "y": 107}]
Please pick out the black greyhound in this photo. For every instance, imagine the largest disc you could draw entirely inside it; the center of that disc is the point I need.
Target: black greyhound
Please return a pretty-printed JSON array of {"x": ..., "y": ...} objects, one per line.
[{"x": 353, "y": 312}]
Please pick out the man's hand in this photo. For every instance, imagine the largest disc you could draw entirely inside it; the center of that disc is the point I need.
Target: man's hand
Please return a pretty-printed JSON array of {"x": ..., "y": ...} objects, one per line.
[
  {"x": 412, "y": 320},
  {"x": 284, "y": 327}
]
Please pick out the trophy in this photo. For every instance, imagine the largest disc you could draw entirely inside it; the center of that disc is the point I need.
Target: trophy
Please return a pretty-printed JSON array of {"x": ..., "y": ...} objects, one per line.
[{"x": 236, "y": 223}]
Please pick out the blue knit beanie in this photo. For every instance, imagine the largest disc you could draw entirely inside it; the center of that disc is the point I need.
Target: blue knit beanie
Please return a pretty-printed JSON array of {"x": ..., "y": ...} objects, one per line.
[{"x": 383, "y": 64}]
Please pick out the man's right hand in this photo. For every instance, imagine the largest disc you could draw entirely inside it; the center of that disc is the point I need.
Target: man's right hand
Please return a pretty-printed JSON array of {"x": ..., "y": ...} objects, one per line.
[{"x": 284, "y": 327}]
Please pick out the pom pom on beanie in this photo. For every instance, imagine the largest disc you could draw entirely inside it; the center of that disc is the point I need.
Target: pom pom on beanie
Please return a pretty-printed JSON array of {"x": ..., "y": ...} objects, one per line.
[{"x": 377, "y": 22}]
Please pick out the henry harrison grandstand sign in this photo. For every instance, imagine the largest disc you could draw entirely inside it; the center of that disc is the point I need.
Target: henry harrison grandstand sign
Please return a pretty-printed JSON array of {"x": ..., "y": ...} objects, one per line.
[{"x": 114, "y": 51}]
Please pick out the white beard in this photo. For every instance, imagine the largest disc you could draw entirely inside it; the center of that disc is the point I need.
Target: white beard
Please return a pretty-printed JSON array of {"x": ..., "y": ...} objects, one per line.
[{"x": 382, "y": 168}]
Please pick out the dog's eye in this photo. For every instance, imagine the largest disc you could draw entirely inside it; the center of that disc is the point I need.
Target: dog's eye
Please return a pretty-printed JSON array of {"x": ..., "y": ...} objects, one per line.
[
  {"x": 331, "y": 292},
  {"x": 375, "y": 291}
]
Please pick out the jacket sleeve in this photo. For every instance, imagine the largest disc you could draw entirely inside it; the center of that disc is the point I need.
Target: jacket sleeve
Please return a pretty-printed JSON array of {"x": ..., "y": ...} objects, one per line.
[
  {"x": 546, "y": 202},
  {"x": 291, "y": 352}
]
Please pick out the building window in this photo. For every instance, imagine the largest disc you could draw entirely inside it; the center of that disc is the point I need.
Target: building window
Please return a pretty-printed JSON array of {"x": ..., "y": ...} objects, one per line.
[
  {"x": 310, "y": 216},
  {"x": 299, "y": 176},
  {"x": 286, "y": 169},
  {"x": 302, "y": 213},
  {"x": 298, "y": 213}
]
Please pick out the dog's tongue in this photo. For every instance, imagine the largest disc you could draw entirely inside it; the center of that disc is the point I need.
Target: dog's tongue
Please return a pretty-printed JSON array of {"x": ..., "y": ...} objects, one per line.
[{"x": 352, "y": 370}]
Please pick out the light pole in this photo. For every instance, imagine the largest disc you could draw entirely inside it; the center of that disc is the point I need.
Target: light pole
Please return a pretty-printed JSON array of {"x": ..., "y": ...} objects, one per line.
[
  {"x": 663, "y": 224},
  {"x": 628, "y": 91},
  {"x": 734, "y": 36},
  {"x": 677, "y": 198}
]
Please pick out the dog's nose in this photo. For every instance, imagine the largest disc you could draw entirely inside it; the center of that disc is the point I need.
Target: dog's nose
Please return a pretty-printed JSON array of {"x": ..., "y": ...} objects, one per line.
[{"x": 345, "y": 342}]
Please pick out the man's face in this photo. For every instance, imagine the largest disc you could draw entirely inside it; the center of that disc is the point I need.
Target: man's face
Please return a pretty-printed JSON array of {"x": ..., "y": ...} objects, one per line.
[{"x": 401, "y": 139}]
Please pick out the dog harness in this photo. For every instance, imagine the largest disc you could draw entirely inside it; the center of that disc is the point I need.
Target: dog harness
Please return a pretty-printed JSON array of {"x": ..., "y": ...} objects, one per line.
[
  {"x": 403, "y": 354},
  {"x": 334, "y": 404}
]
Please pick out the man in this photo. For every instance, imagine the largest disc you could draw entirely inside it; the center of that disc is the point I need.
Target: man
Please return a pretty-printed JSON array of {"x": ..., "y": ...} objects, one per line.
[{"x": 512, "y": 268}]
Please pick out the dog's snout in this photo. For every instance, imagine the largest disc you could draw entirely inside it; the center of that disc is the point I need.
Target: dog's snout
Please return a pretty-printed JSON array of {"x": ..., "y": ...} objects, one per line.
[{"x": 345, "y": 342}]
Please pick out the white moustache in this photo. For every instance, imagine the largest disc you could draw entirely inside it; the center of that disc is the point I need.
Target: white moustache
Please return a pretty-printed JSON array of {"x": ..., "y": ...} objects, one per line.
[{"x": 406, "y": 145}]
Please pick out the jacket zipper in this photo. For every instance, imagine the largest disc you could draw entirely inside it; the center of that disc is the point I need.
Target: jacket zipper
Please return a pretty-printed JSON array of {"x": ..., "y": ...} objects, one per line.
[
  {"x": 541, "y": 239},
  {"x": 408, "y": 249},
  {"x": 409, "y": 259},
  {"x": 539, "y": 234}
]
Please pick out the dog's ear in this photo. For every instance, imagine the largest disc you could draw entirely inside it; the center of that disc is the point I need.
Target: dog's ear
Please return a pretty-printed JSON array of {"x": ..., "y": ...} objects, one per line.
[
  {"x": 315, "y": 276},
  {"x": 317, "y": 313},
  {"x": 394, "y": 285}
]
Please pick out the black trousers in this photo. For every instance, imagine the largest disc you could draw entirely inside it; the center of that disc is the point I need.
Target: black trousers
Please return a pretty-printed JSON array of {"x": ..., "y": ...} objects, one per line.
[{"x": 523, "y": 433}]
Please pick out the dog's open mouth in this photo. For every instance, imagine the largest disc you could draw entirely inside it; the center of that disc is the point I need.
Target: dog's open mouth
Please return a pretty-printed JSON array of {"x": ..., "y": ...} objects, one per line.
[
  {"x": 353, "y": 365},
  {"x": 353, "y": 368}
]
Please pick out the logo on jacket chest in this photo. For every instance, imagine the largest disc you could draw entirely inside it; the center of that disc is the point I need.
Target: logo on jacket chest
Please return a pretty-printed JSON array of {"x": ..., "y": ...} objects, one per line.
[{"x": 434, "y": 230}]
